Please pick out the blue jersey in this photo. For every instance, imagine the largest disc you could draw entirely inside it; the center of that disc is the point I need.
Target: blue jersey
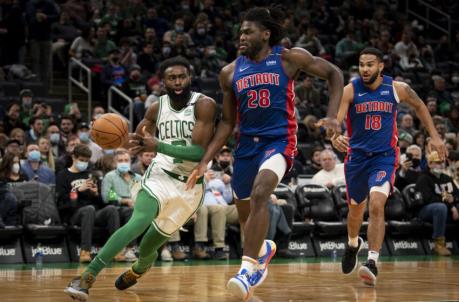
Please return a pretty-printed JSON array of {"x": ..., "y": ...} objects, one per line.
[
  {"x": 371, "y": 119},
  {"x": 265, "y": 97}
]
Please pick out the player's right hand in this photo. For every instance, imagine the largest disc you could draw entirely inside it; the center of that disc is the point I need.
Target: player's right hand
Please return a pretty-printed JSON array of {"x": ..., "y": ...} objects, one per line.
[
  {"x": 331, "y": 126},
  {"x": 197, "y": 173},
  {"x": 340, "y": 142}
]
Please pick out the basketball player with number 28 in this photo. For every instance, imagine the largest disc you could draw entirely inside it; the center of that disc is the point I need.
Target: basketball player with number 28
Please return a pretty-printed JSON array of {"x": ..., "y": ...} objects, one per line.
[
  {"x": 370, "y": 102},
  {"x": 258, "y": 92}
]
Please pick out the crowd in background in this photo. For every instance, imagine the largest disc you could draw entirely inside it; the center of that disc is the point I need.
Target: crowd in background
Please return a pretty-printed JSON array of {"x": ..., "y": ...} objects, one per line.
[{"x": 124, "y": 42}]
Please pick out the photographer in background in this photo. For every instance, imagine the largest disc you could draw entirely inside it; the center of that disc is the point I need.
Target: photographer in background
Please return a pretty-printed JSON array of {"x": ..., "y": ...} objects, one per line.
[{"x": 410, "y": 167}]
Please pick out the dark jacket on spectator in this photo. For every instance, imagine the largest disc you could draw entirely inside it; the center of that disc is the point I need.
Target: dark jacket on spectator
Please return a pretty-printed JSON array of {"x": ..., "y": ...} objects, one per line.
[
  {"x": 8, "y": 206},
  {"x": 432, "y": 188}
]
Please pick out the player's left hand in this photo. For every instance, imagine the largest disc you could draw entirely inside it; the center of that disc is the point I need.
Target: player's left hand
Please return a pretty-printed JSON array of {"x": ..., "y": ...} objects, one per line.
[
  {"x": 197, "y": 173},
  {"x": 331, "y": 126},
  {"x": 142, "y": 143},
  {"x": 437, "y": 144},
  {"x": 340, "y": 142}
]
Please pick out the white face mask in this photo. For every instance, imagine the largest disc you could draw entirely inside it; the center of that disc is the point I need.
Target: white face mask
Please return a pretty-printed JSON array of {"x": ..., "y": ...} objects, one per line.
[{"x": 15, "y": 168}]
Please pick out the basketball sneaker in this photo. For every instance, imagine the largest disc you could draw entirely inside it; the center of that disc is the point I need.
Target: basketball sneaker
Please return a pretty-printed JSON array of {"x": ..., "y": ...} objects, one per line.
[
  {"x": 257, "y": 278},
  {"x": 368, "y": 272},
  {"x": 349, "y": 261},
  {"x": 127, "y": 279},
  {"x": 78, "y": 288},
  {"x": 239, "y": 285}
]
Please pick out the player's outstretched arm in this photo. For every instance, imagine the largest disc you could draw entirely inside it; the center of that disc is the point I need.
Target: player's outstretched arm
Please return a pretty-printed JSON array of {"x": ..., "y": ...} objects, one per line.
[
  {"x": 408, "y": 95},
  {"x": 341, "y": 142},
  {"x": 225, "y": 126},
  {"x": 316, "y": 66}
]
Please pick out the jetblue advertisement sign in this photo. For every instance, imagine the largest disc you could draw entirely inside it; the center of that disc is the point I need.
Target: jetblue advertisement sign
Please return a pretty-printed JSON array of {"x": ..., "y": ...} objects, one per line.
[
  {"x": 301, "y": 247},
  {"x": 326, "y": 247},
  {"x": 383, "y": 252},
  {"x": 75, "y": 250},
  {"x": 51, "y": 252},
  {"x": 450, "y": 244},
  {"x": 11, "y": 252},
  {"x": 405, "y": 246}
]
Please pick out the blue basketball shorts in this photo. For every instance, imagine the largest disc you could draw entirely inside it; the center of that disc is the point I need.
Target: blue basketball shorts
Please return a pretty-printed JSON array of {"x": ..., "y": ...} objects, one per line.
[
  {"x": 366, "y": 170},
  {"x": 251, "y": 152}
]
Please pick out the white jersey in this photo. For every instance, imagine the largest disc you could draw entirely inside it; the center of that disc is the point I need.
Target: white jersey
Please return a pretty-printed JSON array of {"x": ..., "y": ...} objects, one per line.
[{"x": 175, "y": 128}]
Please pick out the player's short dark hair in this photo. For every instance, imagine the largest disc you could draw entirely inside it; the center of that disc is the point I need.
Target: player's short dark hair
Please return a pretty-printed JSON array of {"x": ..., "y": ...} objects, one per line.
[
  {"x": 175, "y": 61},
  {"x": 372, "y": 51},
  {"x": 269, "y": 18},
  {"x": 82, "y": 151}
]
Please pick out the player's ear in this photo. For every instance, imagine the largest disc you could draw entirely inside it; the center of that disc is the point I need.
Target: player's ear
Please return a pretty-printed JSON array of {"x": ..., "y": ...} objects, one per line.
[
  {"x": 381, "y": 66},
  {"x": 266, "y": 35}
]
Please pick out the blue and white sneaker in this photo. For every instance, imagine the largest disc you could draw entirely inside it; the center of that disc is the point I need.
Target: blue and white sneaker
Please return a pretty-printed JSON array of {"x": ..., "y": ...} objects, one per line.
[
  {"x": 261, "y": 273},
  {"x": 239, "y": 285}
]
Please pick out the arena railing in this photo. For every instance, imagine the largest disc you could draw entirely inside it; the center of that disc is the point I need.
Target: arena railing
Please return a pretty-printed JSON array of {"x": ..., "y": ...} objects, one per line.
[
  {"x": 113, "y": 90},
  {"x": 84, "y": 75}
]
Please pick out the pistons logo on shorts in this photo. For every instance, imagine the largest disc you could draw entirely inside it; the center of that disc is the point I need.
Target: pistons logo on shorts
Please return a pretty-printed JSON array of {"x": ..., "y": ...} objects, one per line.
[{"x": 380, "y": 175}]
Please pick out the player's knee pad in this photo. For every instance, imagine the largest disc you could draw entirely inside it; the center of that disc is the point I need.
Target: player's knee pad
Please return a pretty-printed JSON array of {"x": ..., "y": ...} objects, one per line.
[{"x": 384, "y": 189}]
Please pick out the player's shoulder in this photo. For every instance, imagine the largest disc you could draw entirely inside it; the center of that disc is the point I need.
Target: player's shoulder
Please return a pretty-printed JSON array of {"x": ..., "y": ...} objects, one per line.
[
  {"x": 401, "y": 88},
  {"x": 204, "y": 100},
  {"x": 228, "y": 69},
  {"x": 205, "y": 107},
  {"x": 295, "y": 53}
]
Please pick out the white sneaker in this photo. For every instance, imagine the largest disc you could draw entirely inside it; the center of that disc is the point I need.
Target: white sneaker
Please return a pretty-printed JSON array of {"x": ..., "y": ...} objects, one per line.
[
  {"x": 239, "y": 285},
  {"x": 166, "y": 255},
  {"x": 130, "y": 255}
]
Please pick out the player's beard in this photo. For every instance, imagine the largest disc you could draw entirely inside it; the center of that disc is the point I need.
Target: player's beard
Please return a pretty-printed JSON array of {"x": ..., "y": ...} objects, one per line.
[
  {"x": 373, "y": 78},
  {"x": 180, "y": 98},
  {"x": 255, "y": 49}
]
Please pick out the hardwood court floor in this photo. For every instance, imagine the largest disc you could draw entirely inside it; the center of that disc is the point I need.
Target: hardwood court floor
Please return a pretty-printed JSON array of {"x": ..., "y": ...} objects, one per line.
[{"x": 436, "y": 280}]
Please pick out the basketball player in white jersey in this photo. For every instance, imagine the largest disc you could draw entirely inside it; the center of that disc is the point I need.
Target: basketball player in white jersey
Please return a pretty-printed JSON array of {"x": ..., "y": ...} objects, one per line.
[{"x": 184, "y": 123}]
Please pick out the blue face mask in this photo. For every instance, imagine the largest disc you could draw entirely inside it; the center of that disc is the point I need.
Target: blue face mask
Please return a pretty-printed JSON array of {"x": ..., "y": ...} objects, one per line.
[
  {"x": 54, "y": 138},
  {"x": 81, "y": 165},
  {"x": 84, "y": 137},
  {"x": 123, "y": 167},
  {"x": 34, "y": 155}
]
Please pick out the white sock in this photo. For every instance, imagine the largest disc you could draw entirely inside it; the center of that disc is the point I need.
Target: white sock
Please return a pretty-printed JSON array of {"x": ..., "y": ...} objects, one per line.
[
  {"x": 354, "y": 242},
  {"x": 249, "y": 264},
  {"x": 372, "y": 255},
  {"x": 262, "y": 249}
]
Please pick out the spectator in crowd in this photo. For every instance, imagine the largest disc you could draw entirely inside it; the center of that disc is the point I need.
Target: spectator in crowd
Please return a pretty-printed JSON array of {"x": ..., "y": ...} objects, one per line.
[
  {"x": 47, "y": 156},
  {"x": 440, "y": 197},
  {"x": 144, "y": 160},
  {"x": 106, "y": 163},
  {"x": 134, "y": 86},
  {"x": 65, "y": 159},
  {"x": 224, "y": 162},
  {"x": 25, "y": 99},
  {"x": 406, "y": 50},
  {"x": 19, "y": 135},
  {"x": 103, "y": 46},
  {"x": 113, "y": 73},
  {"x": 118, "y": 188},
  {"x": 441, "y": 94},
  {"x": 54, "y": 137},
  {"x": 431, "y": 103},
  {"x": 146, "y": 59},
  {"x": 84, "y": 135},
  {"x": 12, "y": 119},
  {"x": 404, "y": 140},
  {"x": 67, "y": 126},
  {"x": 13, "y": 146},
  {"x": 10, "y": 169},
  {"x": 313, "y": 164},
  {"x": 410, "y": 167},
  {"x": 83, "y": 46},
  {"x": 171, "y": 35},
  {"x": 8, "y": 204},
  {"x": 217, "y": 197},
  {"x": 127, "y": 55},
  {"x": 347, "y": 49},
  {"x": 36, "y": 128},
  {"x": 63, "y": 33},
  {"x": 307, "y": 98},
  {"x": 40, "y": 16},
  {"x": 407, "y": 124},
  {"x": 152, "y": 20},
  {"x": 332, "y": 174},
  {"x": 34, "y": 169},
  {"x": 79, "y": 204},
  {"x": 312, "y": 133},
  {"x": 309, "y": 41},
  {"x": 97, "y": 112}
]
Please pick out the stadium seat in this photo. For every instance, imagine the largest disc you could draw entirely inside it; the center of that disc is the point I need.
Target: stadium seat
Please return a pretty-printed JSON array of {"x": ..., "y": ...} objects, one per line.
[
  {"x": 38, "y": 88},
  {"x": 10, "y": 88}
]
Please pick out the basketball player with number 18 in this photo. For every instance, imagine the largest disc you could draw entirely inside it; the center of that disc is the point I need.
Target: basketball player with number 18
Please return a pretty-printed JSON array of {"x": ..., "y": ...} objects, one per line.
[
  {"x": 370, "y": 102},
  {"x": 258, "y": 93}
]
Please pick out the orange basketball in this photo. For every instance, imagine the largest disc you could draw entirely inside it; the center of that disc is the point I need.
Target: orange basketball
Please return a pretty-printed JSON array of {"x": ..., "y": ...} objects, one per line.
[{"x": 110, "y": 131}]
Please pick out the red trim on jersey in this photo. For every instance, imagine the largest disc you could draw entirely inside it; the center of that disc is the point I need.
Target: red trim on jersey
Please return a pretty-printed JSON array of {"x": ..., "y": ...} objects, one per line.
[
  {"x": 290, "y": 151},
  {"x": 394, "y": 140},
  {"x": 345, "y": 180},
  {"x": 396, "y": 164},
  {"x": 238, "y": 122},
  {"x": 349, "y": 127}
]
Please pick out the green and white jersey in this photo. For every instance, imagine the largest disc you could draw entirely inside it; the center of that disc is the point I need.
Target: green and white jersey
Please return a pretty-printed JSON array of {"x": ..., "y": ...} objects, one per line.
[{"x": 175, "y": 128}]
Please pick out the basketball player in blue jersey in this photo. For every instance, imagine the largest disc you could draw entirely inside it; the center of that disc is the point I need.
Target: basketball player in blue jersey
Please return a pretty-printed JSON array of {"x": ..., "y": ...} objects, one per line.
[
  {"x": 370, "y": 103},
  {"x": 258, "y": 94}
]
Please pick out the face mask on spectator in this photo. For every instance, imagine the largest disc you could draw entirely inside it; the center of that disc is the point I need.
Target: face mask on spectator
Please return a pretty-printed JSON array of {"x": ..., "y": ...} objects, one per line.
[
  {"x": 166, "y": 50},
  {"x": 54, "y": 138},
  {"x": 123, "y": 167},
  {"x": 15, "y": 168},
  {"x": 178, "y": 28},
  {"x": 84, "y": 137},
  {"x": 201, "y": 31},
  {"x": 81, "y": 166},
  {"x": 109, "y": 151},
  {"x": 224, "y": 164},
  {"x": 34, "y": 155}
]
